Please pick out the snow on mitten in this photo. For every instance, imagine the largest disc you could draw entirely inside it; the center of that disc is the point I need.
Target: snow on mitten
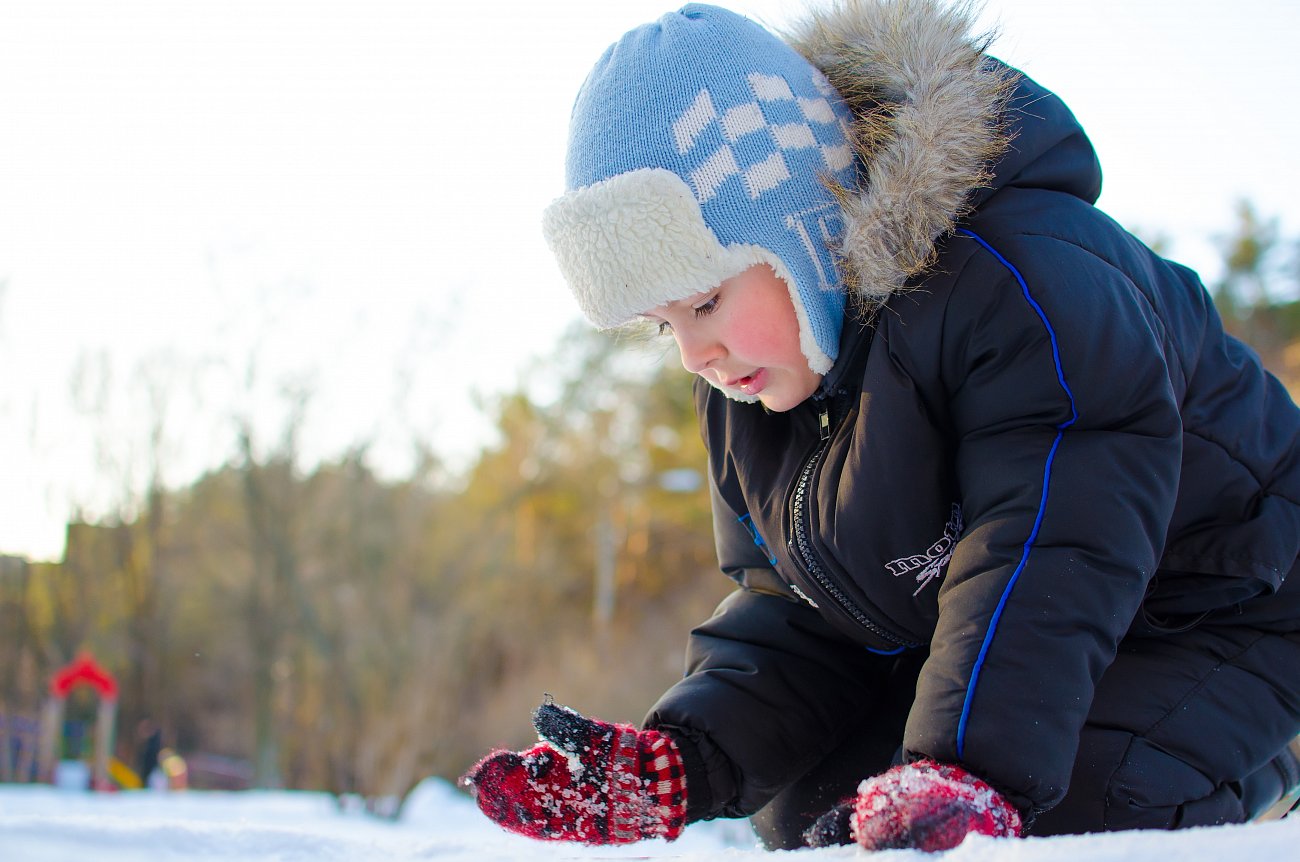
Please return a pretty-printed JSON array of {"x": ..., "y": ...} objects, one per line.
[
  {"x": 587, "y": 781},
  {"x": 924, "y": 805}
]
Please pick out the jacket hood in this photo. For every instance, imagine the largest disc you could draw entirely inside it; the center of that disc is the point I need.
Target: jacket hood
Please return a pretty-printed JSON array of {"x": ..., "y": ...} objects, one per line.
[{"x": 939, "y": 127}]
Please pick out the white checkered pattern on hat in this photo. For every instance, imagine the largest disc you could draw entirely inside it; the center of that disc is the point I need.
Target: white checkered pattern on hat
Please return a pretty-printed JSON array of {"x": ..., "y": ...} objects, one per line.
[{"x": 748, "y": 119}]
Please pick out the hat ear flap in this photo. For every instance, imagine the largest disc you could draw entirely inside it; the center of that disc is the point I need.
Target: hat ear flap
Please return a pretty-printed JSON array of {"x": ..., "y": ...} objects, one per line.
[{"x": 635, "y": 241}]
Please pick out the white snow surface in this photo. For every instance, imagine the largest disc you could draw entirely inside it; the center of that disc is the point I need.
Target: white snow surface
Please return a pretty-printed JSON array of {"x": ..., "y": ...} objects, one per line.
[{"x": 438, "y": 822}]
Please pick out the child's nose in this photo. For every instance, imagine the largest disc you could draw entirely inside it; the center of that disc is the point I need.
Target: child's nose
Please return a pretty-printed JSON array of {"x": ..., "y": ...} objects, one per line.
[{"x": 698, "y": 352}]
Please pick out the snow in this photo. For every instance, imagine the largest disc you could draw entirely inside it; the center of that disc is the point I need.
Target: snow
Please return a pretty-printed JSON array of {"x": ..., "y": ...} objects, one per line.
[{"x": 438, "y": 822}]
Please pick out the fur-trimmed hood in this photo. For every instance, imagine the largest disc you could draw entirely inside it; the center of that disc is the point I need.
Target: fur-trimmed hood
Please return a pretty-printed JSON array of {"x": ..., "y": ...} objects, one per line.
[{"x": 939, "y": 126}]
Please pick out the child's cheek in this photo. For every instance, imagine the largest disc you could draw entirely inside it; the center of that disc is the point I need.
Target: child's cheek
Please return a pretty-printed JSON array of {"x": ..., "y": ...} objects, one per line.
[{"x": 763, "y": 343}]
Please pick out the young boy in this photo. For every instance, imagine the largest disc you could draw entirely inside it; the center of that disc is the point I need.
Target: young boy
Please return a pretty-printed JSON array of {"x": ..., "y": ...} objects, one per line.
[{"x": 1011, "y": 516}]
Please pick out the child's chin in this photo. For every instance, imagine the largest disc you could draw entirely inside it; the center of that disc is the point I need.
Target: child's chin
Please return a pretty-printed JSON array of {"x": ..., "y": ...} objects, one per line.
[{"x": 774, "y": 403}]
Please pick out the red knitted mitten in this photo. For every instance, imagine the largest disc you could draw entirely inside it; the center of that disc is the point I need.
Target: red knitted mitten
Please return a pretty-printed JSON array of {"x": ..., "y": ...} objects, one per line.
[
  {"x": 924, "y": 805},
  {"x": 587, "y": 781},
  {"x": 929, "y": 806}
]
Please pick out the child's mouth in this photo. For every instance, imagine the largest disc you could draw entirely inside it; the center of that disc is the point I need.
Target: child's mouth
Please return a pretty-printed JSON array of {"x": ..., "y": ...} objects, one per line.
[{"x": 752, "y": 384}]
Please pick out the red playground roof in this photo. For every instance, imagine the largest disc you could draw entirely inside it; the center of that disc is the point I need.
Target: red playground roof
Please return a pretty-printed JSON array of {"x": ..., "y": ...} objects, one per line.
[{"x": 84, "y": 669}]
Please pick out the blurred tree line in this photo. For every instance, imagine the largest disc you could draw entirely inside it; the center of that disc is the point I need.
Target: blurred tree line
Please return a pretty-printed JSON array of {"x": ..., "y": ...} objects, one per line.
[
  {"x": 332, "y": 630},
  {"x": 1257, "y": 293}
]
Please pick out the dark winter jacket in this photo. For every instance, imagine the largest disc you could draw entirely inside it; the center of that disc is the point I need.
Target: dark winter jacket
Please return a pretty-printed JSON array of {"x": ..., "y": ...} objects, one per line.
[{"x": 1034, "y": 446}]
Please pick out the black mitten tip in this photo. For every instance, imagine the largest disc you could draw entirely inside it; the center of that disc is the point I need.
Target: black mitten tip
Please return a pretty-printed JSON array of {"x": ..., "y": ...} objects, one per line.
[
  {"x": 832, "y": 829},
  {"x": 563, "y": 727}
]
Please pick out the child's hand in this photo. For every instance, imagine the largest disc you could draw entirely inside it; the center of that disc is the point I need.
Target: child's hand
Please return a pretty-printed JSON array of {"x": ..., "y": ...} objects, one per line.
[
  {"x": 587, "y": 781},
  {"x": 921, "y": 806}
]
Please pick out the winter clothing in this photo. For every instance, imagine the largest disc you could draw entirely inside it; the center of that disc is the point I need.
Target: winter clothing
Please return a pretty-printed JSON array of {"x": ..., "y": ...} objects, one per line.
[
  {"x": 728, "y": 168},
  {"x": 587, "y": 781},
  {"x": 918, "y": 806},
  {"x": 1039, "y": 479},
  {"x": 832, "y": 782},
  {"x": 1043, "y": 452}
]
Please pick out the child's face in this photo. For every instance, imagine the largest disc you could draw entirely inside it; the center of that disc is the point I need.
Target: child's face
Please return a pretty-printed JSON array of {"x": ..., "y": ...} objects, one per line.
[{"x": 743, "y": 335}]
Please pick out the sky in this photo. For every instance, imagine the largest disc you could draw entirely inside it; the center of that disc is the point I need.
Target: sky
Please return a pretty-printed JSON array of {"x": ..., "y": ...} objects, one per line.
[
  {"x": 41, "y": 824},
  {"x": 246, "y": 211}
]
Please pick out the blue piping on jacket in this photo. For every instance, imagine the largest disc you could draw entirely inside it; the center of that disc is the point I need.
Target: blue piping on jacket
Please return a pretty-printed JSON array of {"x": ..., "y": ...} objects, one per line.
[
  {"x": 1042, "y": 502},
  {"x": 758, "y": 539}
]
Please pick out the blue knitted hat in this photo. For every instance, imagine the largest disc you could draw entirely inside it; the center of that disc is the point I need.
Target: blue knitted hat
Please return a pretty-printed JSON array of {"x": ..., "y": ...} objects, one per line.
[{"x": 699, "y": 146}]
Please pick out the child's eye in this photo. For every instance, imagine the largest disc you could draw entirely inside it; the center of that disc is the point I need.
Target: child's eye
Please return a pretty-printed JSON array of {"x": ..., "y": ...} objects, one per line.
[{"x": 708, "y": 307}]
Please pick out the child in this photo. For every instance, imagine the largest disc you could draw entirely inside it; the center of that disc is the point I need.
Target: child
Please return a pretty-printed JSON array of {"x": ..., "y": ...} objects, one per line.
[{"x": 1011, "y": 517}]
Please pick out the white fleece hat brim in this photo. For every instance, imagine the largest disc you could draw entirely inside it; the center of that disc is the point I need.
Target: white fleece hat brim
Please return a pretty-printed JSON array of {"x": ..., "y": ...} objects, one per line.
[{"x": 636, "y": 241}]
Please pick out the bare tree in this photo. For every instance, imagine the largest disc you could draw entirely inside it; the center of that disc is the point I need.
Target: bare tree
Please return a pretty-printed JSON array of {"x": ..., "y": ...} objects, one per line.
[{"x": 276, "y": 602}]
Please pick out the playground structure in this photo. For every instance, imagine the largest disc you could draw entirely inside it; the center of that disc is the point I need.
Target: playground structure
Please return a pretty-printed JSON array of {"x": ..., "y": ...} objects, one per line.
[
  {"x": 48, "y": 749},
  {"x": 83, "y": 670}
]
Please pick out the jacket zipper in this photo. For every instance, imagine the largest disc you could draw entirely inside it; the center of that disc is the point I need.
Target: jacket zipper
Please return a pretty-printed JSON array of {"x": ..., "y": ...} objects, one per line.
[{"x": 801, "y": 544}]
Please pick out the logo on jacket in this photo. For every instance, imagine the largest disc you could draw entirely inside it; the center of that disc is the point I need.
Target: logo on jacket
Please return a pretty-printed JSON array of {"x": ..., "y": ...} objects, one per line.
[{"x": 930, "y": 565}]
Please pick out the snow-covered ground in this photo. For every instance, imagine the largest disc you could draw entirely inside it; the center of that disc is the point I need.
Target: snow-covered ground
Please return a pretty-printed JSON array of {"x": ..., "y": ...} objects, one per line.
[{"x": 41, "y": 824}]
